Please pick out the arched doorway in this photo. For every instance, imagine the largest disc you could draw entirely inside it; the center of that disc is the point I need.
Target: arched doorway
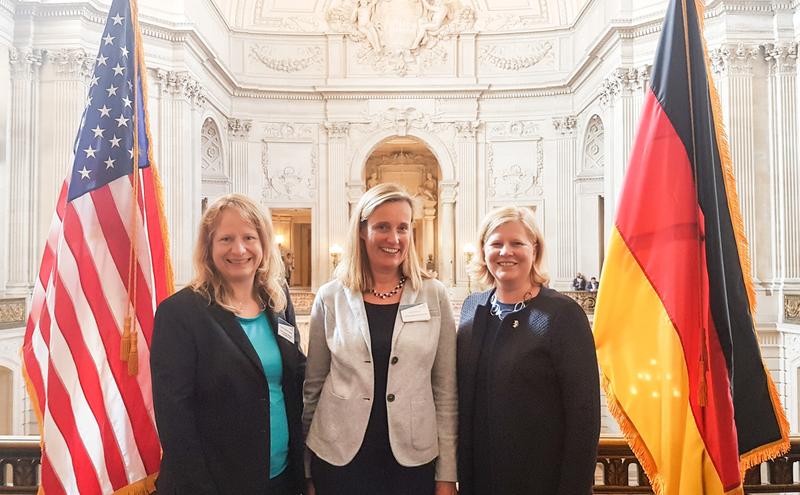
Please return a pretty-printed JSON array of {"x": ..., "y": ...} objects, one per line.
[{"x": 407, "y": 161}]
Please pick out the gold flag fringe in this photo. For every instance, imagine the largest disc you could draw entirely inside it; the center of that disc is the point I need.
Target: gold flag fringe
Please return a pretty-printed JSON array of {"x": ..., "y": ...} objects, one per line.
[
  {"x": 728, "y": 175},
  {"x": 635, "y": 441},
  {"x": 776, "y": 448},
  {"x": 144, "y": 486}
]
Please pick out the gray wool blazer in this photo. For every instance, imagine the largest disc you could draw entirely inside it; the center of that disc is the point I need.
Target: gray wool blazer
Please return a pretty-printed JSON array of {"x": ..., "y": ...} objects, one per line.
[{"x": 338, "y": 390}]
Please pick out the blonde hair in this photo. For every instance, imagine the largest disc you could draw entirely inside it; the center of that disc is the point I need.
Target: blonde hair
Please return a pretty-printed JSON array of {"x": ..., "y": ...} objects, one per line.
[
  {"x": 354, "y": 270},
  {"x": 495, "y": 218},
  {"x": 269, "y": 281}
]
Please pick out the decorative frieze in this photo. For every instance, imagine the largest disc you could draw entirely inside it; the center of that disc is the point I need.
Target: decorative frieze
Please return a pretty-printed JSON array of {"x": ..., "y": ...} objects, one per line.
[
  {"x": 402, "y": 119},
  {"x": 289, "y": 131},
  {"x": 307, "y": 57},
  {"x": 733, "y": 59},
  {"x": 782, "y": 57},
  {"x": 513, "y": 129},
  {"x": 12, "y": 313},
  {"x": 239, "y": 128},
  {"x": 509, "y": 58},
  {"x": 181, "y": 83},
  {"x": 565, "y": 126},
  {"x": 24, "y": 62},
  {"x": 624, "y": 80},
  {"x": 791, "y": 308}
]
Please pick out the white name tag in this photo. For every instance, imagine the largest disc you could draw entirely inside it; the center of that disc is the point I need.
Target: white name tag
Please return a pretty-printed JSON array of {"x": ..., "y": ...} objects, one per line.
[
  {"x": 415, "y": 312},
  {"x": 286, "y": 331}
]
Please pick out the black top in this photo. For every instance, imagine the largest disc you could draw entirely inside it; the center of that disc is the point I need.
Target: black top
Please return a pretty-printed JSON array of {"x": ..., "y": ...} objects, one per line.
[
  {"x": 381, "y": 318},
  {"x": 534, "y": 377}
]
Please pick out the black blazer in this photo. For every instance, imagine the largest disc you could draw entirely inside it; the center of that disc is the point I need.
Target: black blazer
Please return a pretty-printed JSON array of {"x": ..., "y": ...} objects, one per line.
[
  {"x": 544, "y": 398},
  {"x": 211, "y": 399}
]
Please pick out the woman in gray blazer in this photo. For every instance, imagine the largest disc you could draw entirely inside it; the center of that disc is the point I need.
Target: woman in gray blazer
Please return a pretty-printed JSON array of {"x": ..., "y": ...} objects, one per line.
[{"x": 380, "y": 410}]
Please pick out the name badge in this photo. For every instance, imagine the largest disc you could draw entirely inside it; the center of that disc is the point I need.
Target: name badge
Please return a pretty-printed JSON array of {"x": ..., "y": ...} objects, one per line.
[
  {"x": 286, "y": 331},
  {"x": 415, "y": 312}
]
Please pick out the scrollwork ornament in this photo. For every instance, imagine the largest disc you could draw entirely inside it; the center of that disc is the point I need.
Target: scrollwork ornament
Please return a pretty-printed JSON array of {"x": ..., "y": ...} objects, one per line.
[
  {"x": 515, "y": 180},
  {"x": 239, "y": 128},
  {"x": 494, "y": 56},
  {"x": 309, "y": 56},
  {"x": 12, "y": 312},
  {"x": 288, "y": 131},
  {"x": 514, "y": 129},
  {"x": 566, "y": 126}
]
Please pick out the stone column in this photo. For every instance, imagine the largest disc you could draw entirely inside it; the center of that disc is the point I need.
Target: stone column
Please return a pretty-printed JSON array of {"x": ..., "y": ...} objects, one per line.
[
  {"x": 784, "y": 157},
  {"x": 466, "y": 208},
  {"x": 566, "y": 170},
  {"x": 447, "y": 252},
  {"x": 22, "y": 159},
  {"x": 337, "y": 205},
  {"x": 181, "y": 99},
  {"x": 622, "y": 95},
  {"x": 429, "y": 232},
  {"x": 732, "y": 66},
  {"x": 238, "y": 132}
]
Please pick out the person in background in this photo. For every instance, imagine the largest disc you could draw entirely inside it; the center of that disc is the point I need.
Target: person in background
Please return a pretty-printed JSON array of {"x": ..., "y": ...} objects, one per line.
[
  {"x": 579, "y": 282},
  {"x": 528, "y": 386},
  {"x": 380, "y": 392},
  {"x": 227, "y": 369},
  {"x": 592, "y": 285}
]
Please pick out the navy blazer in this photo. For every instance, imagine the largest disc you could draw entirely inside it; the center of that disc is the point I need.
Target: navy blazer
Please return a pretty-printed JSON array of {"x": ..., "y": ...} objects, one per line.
[
  {"x": 211, "y": 399},
  {"x": 543, "y": 397}
]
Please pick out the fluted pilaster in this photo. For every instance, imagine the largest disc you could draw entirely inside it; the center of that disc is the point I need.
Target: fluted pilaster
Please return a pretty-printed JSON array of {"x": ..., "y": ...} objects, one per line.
[
  {"x": 180, "y": 101},
  {"x": 25, "y": 66},
  {"x": 784, "y": 157},
  {"x": 238, "y": 134},
  {"x": 338, "y": 208},
  {"x": 466, "y": 208},
  {"x": 447, "y": 228},
  {"x": 566, "y": 156}
]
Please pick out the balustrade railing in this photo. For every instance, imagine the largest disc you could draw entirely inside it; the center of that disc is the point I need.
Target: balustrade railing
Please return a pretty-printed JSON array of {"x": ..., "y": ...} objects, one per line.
[{"x": 618, "y": 471}]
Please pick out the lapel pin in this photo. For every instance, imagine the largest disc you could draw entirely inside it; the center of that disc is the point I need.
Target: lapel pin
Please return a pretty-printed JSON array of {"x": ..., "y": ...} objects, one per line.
[{"x": 515, "y": 324}]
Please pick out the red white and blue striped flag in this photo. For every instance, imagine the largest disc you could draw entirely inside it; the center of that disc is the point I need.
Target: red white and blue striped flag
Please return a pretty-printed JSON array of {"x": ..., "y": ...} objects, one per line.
[{"x": 104, "y": 270}]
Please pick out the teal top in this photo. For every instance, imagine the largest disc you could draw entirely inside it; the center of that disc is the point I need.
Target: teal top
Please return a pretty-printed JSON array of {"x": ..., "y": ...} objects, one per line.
[{"x": 260, "y": 333}]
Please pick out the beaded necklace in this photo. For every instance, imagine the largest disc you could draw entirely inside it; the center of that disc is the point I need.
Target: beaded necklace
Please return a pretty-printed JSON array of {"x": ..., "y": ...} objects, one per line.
[{"x": 387, "y": 295}]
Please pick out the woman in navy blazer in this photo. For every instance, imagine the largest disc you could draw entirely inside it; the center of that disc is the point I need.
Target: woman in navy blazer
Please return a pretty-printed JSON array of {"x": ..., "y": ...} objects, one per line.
[
  {"x": 529, "y": 396},
  {"x": 227, "y": 369},
  {"x": 380, "y": 391}
]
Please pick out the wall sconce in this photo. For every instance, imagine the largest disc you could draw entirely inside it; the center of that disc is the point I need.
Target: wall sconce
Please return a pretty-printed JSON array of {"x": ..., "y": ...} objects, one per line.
[
  {"x": 279, "y": 239},
  {"x": 469, "y": 253},
  {"x": 336, "y": 253}
]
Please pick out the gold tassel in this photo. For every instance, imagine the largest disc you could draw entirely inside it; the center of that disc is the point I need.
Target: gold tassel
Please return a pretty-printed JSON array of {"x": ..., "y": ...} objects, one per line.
[
  {"x": 144, "y": 486},
  {"x": 133, "y": 355},
  {"x": 125, "y": 344}
]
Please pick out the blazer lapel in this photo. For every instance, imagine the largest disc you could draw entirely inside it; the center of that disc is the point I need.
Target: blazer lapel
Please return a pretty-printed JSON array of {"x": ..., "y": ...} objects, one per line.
[
  {"x": 409, "y": 296},
  {"x": 356, "y": 303},
  {"x": 474, "y": 344},
  {"x": 228, "y": 322}
]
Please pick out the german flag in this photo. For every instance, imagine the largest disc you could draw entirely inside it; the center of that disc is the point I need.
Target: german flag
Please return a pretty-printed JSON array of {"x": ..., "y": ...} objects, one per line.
[{"x": 680, "y": 358}]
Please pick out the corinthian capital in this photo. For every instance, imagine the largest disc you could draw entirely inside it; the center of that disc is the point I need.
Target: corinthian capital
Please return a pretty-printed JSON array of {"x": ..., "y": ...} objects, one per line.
[
  {"x": 239, "y": 128},
  {"x": 782, "y": 57},
  {"x": 71, "y": 62},
  {"x": 565, "y": 125},
  {"x": 181, "y": 83},
  {"x": 337, "y": 129},
  {"x": 623, "y": 81},
  {"x": 25, "y": 61},
  {"x": 733, "y": 59}
]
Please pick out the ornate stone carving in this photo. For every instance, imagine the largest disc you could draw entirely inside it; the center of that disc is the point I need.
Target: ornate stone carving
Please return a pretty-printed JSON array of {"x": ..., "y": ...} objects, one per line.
[
  {"x": 565, "y": 125},
  {"x": 402, "y": 119},
  {"x": 239, "y": 128},
  {"x": 400, "y": 36},
  {"x": 177, "y": 83},
  {"x": 24, "y": 62},
  {"x": 513, "y": 22},
  {"x": 308, "y": 56},
  {"x": 467, "y": 128},
  {"x": 594, "y": 145},
  {"x": 496, "y": 56},
  {"x": 211, "y": 150},
  {"x": 290, "y": 161},
  {"x": 586, "y": 300},
  {"x": 782, "y": 57},
  {"x": 12, "y": 313},
  {"x": 623, "y": 81},
  {"x": 337, "y": 129},
  {"x": 791, "y": 308},
  {"x": 516, "y": 128},
  {"x": 72, "y": 62},
  {"x": 510, "y": 178},
  {"x": 734, "y": 59},
  {"x": 291, "y": 24}
]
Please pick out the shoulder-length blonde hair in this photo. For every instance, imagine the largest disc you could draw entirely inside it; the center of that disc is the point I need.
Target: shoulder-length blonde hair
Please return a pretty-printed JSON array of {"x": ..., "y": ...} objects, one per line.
[
  {"x": 354, "y": 270},
  {"x": 495, "y": 218},
  {"x": 269, "y": 281}
]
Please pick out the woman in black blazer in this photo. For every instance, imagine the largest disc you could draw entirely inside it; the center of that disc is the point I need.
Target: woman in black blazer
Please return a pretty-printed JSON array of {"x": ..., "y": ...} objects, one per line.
[
  {"x": 227, "y": 369},
  {"x": 529, "y": 397}
]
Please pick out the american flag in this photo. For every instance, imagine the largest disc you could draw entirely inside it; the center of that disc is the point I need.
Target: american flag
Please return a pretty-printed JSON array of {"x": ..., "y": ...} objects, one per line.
[{"x": 104, "y": 270}]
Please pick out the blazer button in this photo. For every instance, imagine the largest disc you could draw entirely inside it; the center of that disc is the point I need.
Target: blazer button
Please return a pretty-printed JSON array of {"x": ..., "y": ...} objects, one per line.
[
  {"x": 394, "y": 360},
  {"x": 390, "y": 397}
]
